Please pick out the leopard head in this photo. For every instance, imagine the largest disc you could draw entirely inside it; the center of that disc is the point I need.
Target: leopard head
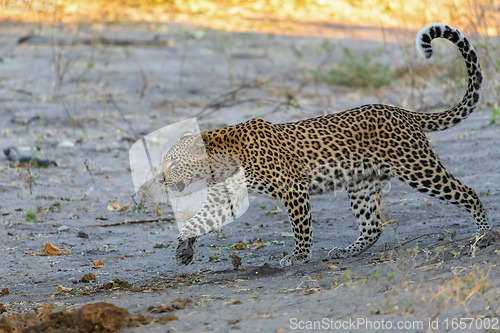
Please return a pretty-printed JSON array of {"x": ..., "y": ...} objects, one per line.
[{"x": 185, "y": 163}]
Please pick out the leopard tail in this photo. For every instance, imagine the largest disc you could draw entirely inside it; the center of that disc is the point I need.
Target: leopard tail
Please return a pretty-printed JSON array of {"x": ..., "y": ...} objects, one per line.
[{"x": 449, "y": 118}]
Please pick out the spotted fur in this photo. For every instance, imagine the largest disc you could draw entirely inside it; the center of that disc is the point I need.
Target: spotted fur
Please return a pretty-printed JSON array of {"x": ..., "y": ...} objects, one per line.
[{"x": 359, "y": 149}]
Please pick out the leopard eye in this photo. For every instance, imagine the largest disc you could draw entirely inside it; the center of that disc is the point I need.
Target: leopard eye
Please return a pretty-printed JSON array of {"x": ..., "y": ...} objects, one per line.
[{"x": 173, "y": 165}]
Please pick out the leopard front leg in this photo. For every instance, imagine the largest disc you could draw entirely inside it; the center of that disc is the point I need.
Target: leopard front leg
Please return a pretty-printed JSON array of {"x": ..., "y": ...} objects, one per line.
[
  {"x": 185, "y": 251},
  {"x": 299, "y": 211},
  {"x": 364, "y": 206},
  {"x": 205, "y": 220},
  {"x": 193, "y": 228},
  {"x": 217, "y": 211}
]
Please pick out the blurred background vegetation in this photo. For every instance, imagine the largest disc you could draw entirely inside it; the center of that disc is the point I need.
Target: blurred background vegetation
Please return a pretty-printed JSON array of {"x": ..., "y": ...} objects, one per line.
[
  {"x": 377, "y": 20},
  {"x": 281, "y": 16}
]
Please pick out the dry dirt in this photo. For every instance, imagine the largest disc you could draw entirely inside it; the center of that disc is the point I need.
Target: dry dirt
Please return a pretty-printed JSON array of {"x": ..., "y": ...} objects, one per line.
[{"x": 55, "y": 104}]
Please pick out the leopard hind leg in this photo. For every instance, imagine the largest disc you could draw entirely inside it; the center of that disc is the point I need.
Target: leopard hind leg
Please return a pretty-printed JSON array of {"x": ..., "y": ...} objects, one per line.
[
  {"x": 364, "y": 206},
  {"x": 433, "y": 179}
]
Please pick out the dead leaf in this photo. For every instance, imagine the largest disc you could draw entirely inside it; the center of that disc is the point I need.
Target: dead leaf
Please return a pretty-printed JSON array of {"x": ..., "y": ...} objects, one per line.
[
  {"x": 332, "y": 267},
  {"x": 98, "y": 264},
  {"x": 158, "y": 211},
  {"x": 113, "y": 206},
  {"x": 124, "y": 208},
  {"x": 235, "y": 260},
  {"x": 49, "y": 250},
  {"x": 257, "y": 244},
  {"x": 239, "y": 246},
  {"x": 60, "y": 288},
  {"x": 318, "y": 276}
]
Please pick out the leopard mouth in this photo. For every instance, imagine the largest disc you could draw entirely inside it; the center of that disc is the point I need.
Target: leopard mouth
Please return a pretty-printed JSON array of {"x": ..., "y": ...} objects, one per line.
[
  {"x": 176, "y": 187},
  {"x": 180, "y": 186}
]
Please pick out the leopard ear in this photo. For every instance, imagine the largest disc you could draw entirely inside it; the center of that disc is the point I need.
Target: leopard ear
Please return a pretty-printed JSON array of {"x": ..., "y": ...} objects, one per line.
[
  {"x": 186, "y": 134},
  {"x": 200, "y": 143}
]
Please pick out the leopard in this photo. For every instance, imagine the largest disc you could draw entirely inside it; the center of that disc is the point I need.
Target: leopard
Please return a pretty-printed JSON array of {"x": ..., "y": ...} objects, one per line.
[{"x": 358, "y": 149}]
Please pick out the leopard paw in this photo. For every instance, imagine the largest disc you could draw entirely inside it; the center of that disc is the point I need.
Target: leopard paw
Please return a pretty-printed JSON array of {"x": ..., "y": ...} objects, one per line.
[
  {"x": 185, "y": 251},
  {"x": 294, "y": 259},
  {"x": 338, "y": 253}
]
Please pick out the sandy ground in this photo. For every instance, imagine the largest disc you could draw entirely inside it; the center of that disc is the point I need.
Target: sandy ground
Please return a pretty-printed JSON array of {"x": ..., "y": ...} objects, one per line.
[{"x": 55, "y": 104}]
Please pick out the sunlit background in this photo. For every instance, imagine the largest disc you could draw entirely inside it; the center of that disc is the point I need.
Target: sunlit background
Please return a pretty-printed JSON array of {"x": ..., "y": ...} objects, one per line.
[{"x": 289, "y": 17}]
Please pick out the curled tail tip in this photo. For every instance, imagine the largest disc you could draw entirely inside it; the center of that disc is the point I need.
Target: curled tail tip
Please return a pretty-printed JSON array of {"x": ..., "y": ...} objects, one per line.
[
  {"x": 466, "y": 106},
  {"x": 432, "y": 31}
]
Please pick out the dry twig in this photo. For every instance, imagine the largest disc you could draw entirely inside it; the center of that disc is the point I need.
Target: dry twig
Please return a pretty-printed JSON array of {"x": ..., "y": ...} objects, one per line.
[
  {"x": 30, "y": 179},
  {"x": 169, "y": 219},
  {"x": 145, "y": 83},
  {"x": 112, "y": 101},
  {"x": 90, "y": 173},
  {"x": 229, "y": 99}
]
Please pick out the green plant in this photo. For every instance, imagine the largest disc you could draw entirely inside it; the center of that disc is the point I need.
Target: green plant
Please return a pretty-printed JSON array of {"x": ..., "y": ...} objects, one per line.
[
  {"x": 495, "y": 113},
  {"x": 450, "y": 235},
  {"x": 359, "y": 71},
  {"x": 487, "y": 193},
  {"x": 30, "y": 217},
  {"x": 347, "y": 277}
]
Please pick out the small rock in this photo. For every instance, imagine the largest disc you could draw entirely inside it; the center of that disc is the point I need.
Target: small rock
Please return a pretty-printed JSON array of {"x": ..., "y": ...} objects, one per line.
[
  {"x": 65, "y": 144},
  {"x": 87, "y": 278},
  {"x": 4, "y": 292},
  {"x": 81, "y": 234}
]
